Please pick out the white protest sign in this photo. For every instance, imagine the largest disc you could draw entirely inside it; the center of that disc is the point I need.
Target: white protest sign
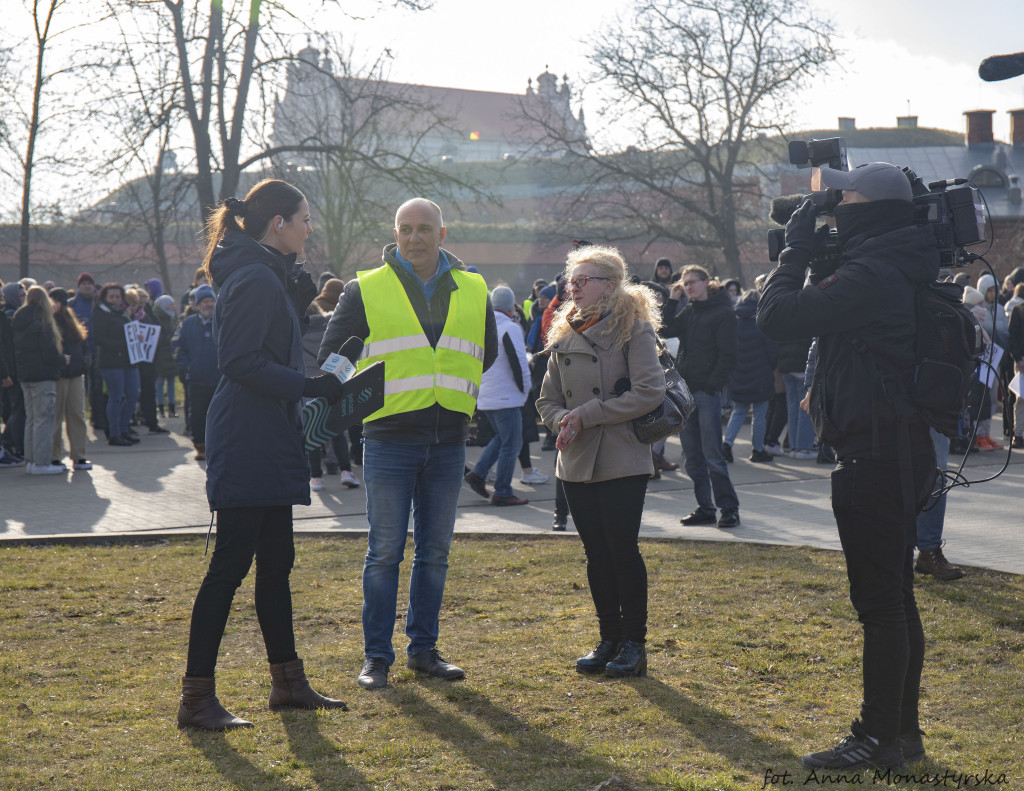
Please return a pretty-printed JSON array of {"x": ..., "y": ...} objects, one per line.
[
  {"x": 1017, "y": 385},
  {"x": 141, "y": 340},
  {"x": 149, "y": 334},
  {"x": 989, "y": 373}
]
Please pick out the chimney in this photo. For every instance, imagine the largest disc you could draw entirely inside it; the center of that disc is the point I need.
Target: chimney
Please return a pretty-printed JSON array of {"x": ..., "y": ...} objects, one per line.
[
  {"x": 1017, "y": 128},
  {"x": 906, "y": 122},
  {"x": 847, "y": 124},
  {"x": 979, "y": 128}
]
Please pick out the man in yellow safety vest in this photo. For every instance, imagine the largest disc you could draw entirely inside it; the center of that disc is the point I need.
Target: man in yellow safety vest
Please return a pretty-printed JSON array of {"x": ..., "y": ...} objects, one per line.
[{"x": 431, "y": 323}]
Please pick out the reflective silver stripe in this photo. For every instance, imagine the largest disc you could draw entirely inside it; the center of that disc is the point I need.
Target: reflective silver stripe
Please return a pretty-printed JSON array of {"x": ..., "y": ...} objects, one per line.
[
  {"x": 425, "y": 382},
  {"x": 403, "y": 343},
  {"x": 461, "y": 345},
  {"x": 458, "y": 384}
]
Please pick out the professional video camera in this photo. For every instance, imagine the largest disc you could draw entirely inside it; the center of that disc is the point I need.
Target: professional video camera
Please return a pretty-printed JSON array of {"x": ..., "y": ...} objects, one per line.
[{"x": 953, "y": 207}]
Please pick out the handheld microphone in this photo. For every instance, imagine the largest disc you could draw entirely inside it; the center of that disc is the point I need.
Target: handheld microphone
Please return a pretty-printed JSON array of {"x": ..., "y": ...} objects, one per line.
[
  {"x": 1001, "y": 67},
  {"x": 342, "y": 363}
]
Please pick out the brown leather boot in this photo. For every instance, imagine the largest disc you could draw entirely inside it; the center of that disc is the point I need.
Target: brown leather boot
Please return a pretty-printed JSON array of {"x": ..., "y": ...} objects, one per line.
[
  {"x": 290, "y": 689},
  {"x": 201, "y": 709},
  {"x": 200, "y": 451}
]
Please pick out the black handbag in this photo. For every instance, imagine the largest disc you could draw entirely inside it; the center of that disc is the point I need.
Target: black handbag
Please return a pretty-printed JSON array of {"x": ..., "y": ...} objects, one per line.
[{"x": 671, "y": 416}]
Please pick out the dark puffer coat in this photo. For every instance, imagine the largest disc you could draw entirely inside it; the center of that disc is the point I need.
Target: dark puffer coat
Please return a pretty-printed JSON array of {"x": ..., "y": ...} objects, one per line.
[
  {"x": 35, "y": 350},
  {"x": 107, "y": 333},
  {"x": 707, "y": 340},
  {"x": 254, "y": 447},
  {"x": 867, "y": 304},
  {"x": 753, "y": 379}
]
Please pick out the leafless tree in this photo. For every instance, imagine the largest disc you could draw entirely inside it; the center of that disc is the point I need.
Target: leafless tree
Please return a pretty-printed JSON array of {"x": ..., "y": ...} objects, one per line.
[
  {"x": 694, "y": 86},
  {"x": 35, "y": 102},
  {"x": 222, "y": 50}
]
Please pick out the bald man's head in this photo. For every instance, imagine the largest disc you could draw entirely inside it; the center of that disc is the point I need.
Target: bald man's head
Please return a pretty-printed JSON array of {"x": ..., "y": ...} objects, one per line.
[
  {"x": 422, "y": 203},
  {"x": 419, "y": 232}
]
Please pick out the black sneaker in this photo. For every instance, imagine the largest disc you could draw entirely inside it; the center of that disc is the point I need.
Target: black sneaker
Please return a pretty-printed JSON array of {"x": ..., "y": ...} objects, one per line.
[
  {"x": 761, "y": 457},
  {"x": 432, "y": 663},
  {"x": 700, "y": 517},
  {"x": 727, "y": 452},
  {"x": 857, "y": 751},
  {"x": 374, "y": 674},
  {"x": 730, "y": 518}
]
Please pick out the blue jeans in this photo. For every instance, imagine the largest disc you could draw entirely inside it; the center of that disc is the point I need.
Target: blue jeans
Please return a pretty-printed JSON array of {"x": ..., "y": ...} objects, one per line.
[
  {"x": 739, "y": 414},
  {"x": 426, "y": 479},
  {"x": 701, "y": 439},
  {"x": 929, "y": 523},
  {"x": 165, "y": 383},
  {"x": 122, "y": 395},
  {"x": 801, "y": 431},
  {"x": 504, "y": 448}
]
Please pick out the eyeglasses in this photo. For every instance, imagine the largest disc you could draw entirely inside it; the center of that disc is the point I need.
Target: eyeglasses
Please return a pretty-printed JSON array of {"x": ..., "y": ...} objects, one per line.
[
  {"x": 692, "y": 282},
  {"x": 581, "y": 280}
]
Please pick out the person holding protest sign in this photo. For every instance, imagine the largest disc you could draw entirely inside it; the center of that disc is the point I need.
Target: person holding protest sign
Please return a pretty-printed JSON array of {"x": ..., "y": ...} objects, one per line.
[{"x": 109, "y": 323}]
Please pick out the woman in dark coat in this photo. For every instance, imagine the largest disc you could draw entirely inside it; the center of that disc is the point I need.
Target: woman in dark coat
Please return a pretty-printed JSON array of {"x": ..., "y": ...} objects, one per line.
[
  {"x": 39, "y": 355},
  {"x": 256, "y": 467},
  {"x": 109, "y": 317},
  {"x": 752, "y": 381}
]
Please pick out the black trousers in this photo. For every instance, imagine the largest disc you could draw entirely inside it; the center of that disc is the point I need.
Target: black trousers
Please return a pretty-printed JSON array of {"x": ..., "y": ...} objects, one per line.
[
  {"x": 878, "y": 540},
  {"x": 199, "y": 397},
  {"x": 607, "y": 517},
  {"x": 243, "y": 533}
]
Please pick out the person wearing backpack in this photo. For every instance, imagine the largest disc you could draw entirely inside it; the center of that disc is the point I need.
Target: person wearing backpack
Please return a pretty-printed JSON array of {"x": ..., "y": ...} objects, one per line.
[{"x": 862, "y": 313}]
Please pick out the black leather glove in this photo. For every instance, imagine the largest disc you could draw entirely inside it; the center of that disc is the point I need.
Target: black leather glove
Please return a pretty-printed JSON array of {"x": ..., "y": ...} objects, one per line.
[
  {"x": 326, "y": 386},
  {"x": 800, "y": 234},
  {"x": 303, "y": 291}
]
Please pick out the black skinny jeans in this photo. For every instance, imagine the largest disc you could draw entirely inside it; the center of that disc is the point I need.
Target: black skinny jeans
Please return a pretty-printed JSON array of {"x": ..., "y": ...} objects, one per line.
[
  {"x": 607, "y": 517},
  {"x": 242, "y": 533},
  {"x": 878, "y": 541}
]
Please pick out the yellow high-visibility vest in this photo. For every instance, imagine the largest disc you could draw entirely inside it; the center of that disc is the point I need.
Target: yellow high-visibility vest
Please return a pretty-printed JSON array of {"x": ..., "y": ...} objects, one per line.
[{"x": 416, "y": 375}]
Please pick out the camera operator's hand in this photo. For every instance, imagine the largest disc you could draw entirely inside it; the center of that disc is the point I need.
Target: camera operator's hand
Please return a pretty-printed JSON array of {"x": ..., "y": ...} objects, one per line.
[
  {"x": 326, "y": 386},
  {"x": 800, "y": 234}
]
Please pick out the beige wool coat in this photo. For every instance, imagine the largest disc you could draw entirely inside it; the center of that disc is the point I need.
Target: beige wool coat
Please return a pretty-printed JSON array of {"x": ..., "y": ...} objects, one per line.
[{"x": 582, "y": 372}]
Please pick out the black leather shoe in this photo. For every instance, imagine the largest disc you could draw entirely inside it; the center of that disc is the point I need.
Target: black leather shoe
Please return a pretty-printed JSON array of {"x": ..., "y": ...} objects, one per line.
[
  {"x": 374, "y": 674},
  {"x": 699, "y": 517},
  {"x": 730, "y": 518},
  {"x": 558, "y": 525},
  {"x": 477, "y": 484},
  {"x": 595, "y": 661},
  {"x": 431, "y": 663},
  {"x": 631, "y": 660}
]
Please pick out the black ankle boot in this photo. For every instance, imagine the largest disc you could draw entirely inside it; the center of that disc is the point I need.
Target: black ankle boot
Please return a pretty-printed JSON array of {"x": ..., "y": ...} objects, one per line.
[
  {"x": 631, "y": 660},
  {"x": 595, "y": 661}
]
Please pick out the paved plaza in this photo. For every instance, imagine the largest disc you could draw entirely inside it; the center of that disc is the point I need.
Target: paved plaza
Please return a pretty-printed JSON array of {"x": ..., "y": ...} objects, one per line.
[{"x": 156, "y": 489}]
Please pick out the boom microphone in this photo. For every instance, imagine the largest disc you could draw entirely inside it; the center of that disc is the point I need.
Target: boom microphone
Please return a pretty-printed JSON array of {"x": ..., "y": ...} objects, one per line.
[
  {"x": 1001, "y": 67},
  {"x": 342, "y": 364},
  {"x": 783, "y": 207}
]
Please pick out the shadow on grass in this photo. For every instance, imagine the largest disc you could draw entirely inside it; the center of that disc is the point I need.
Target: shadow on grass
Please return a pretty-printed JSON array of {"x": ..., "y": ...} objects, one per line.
[
  {"x": 537, "y": 754},
  {"x": 323, "y": 757},
  {"x": 717, "y": 731},
  {"x": 307, "y": 744}
]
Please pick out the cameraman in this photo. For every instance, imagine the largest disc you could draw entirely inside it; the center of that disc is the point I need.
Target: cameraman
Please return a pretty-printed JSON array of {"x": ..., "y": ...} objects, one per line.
[{"x": 862, "y": 311}]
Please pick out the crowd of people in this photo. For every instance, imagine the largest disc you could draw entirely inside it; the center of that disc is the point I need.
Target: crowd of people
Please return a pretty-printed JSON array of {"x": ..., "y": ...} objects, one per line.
[{"x": 581, "y": 356}]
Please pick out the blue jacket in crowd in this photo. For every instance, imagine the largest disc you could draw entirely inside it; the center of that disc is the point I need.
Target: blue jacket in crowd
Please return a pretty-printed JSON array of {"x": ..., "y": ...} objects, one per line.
[{"x": 197, "y": 351}]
